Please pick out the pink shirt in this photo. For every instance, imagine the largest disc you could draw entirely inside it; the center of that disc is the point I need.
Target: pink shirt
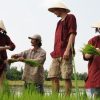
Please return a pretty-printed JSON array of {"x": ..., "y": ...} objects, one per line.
[
  {"x": 62, "y": 34},
  {"x": 93, "y": 79}
]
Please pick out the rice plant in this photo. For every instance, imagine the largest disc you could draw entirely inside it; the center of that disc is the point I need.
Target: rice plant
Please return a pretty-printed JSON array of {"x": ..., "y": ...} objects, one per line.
[
  {"x": 30, "y": 62},
  {"x": 89, "y": 49},
  {"x": 29, "y": 94}
]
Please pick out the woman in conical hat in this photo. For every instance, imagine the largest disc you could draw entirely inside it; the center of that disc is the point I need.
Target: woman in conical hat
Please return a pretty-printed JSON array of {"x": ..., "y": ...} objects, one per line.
[
  {"x": 5, "y": 43},
  {"x": 92, "y": 83}
]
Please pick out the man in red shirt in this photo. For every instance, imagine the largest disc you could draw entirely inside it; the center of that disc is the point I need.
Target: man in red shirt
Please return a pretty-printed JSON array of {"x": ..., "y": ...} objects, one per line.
[
  {"x": 92, "y": 82},
  {"x": 63, "y": 47},
  {"x": 5, "y": 43}
]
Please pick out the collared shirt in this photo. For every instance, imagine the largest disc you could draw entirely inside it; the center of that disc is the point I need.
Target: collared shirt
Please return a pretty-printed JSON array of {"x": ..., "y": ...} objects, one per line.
[
  {"x": 34, "y": 74},
  {"x": 93, "y": 79},
  {"x": 62, "y": 34}
]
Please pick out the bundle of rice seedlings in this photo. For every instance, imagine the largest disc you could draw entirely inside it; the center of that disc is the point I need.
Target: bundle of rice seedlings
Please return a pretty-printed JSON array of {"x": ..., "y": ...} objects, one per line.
[
  {"x": 27, "y": 61},
  {"x": 32, "y": 62},
  {"x": 89, "y": 49}
]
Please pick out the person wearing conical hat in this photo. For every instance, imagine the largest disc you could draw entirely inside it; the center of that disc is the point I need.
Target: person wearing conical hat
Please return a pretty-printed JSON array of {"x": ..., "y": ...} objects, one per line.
[
  {"x": 92, "y": 83},
  {"x": 63, "y": 52},
  {"x": 5, "y": 43}
]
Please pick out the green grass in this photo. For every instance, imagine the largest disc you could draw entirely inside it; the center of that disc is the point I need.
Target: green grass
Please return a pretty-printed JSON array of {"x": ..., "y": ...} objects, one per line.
[
  {"x": 26, "y": 95},
  {"x": 49, "y": 83}
]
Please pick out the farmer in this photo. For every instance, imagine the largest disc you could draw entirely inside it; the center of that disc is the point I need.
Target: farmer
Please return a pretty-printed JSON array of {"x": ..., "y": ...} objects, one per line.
[
  {"x": 33, "y": 75},
  {"x": 63, "y": 47},
  {"x": 92, "y": 82},
  {"x": 5, "y": 43}
]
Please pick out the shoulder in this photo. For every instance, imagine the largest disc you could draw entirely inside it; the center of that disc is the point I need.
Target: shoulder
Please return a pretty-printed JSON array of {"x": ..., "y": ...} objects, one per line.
[
  {"x": 71, "y": 16},
  {"x": 93, "y": 39},
  {"x": 27, "y": 51},
  {"x": 42, "y": 50}
]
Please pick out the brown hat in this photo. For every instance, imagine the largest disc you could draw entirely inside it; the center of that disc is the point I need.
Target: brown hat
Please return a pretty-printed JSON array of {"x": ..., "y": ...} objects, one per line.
[
  {"x": 36, "y": 36},
  {"x": 96, "y": 25},
  {"x": 2, "y": 25},
  {"x": 58, "y": 5}
]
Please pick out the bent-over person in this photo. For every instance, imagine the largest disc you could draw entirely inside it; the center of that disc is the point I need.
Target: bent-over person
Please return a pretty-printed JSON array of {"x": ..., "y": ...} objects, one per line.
[{"x": 5, "y": 44}]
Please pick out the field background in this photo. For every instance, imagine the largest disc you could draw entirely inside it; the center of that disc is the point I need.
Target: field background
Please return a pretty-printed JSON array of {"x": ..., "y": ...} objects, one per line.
[{"x": 49, "y": 83}]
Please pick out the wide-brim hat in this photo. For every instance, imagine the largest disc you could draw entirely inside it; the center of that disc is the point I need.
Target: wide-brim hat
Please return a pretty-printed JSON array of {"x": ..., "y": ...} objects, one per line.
[
  {"x": 2, "y": 25},
  {"x": 96, "y": 25},
  {"x": 36, "y": 36},
  {"x": 58, "y": 5}
]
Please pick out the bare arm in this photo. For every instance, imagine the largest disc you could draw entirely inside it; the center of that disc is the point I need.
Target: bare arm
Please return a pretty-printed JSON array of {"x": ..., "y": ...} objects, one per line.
[
  {"x": 69, "y": 46},
  {"x": 4, "y": 47}
]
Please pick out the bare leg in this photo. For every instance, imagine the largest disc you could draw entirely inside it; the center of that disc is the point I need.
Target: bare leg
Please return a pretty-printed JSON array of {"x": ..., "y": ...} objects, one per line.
[
  {"x": 55, "y": 84},
  {"x": 68, "y": 86}
]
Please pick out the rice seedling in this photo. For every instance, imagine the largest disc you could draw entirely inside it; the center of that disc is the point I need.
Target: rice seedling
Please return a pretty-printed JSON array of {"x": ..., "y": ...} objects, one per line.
[
  {"x": 28, "y": 94},
  {"x": 30, "y": 62},
  {"x": 75, "y": 75},
  {"x": 89, "y": 49}
]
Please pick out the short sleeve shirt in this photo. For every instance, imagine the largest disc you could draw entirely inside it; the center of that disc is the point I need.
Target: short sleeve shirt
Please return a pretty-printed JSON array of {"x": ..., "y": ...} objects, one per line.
[{"x": 62, "y": 34}]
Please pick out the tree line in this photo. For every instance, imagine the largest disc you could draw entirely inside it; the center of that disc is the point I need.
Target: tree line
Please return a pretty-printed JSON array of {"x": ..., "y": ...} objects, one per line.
[{"x": 14, "y": 74}]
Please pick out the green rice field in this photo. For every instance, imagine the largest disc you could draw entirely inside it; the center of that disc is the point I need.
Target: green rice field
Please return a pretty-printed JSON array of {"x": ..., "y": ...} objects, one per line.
[{"x": 27, "y": 94}]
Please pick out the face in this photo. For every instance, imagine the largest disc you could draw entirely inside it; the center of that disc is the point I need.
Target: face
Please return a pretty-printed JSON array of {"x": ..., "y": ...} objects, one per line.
[
  {"x": 97, "y": 30},
  {"x": 57, "y": 12},
  {"x": 34, "y": 42}
]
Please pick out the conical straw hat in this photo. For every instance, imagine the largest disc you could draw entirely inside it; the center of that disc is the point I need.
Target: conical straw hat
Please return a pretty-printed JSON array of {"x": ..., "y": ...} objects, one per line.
[
  {"x": 96, "y": 25},
  {"x": 2, "y": 25},
  {"x": 58, "y": 5}
]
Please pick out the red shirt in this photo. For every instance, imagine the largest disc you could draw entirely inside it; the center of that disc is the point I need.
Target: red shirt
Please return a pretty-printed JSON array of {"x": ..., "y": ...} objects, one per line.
[
  {"x": 4, "y": 41},
  {"x": 93, "y": 79},
  {"x": 62, "y": 34}
]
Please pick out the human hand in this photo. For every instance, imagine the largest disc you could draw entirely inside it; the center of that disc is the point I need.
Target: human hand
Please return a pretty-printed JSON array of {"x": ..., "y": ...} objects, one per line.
[
  {"x": 98, "y": 50},
  {"x": 88, "y": 56},
  {"x": 20, "y": 59},
  {"x": 15, "y": 56},
  {"x": 4, "y": 47},
  {"x": 7, "y": 47},
  {"x": 66, "y": 55}
]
